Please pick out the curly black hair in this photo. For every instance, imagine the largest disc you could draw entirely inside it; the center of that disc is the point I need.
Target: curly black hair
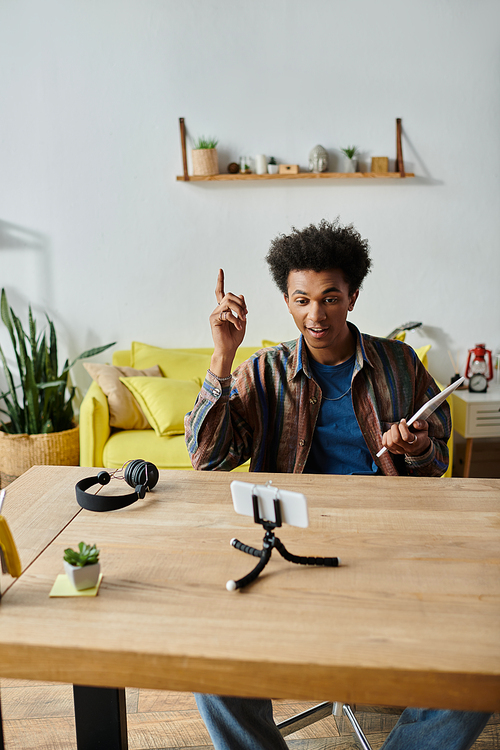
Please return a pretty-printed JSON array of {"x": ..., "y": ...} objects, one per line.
[{"x": 320, "y": 248}]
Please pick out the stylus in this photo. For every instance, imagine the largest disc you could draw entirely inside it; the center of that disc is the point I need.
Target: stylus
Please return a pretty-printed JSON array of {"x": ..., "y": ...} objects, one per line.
[{"x": 427, "y": 409}]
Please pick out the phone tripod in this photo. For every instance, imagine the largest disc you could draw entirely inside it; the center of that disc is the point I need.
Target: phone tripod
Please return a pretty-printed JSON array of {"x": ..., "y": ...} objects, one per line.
[{"x": 269, "y": 543}]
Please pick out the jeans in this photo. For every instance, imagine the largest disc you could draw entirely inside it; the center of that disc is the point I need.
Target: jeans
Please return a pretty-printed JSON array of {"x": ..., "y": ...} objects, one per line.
[{"x": 248, "y": 724}]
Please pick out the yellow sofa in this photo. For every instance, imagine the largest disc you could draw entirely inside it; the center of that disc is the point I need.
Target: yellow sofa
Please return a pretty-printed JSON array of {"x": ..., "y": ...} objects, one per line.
[
  {"x": 103, "y": 445},
  {"x": 164, "y": 400}
]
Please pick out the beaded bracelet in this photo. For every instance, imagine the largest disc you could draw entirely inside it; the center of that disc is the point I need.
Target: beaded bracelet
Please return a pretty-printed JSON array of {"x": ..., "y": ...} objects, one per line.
[{"x": 217, "y": 377}]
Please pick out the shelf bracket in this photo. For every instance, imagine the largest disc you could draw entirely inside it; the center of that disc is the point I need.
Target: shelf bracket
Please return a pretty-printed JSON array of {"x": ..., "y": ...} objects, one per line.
[
  {"x": 400, "y": 167},
  {"x": 183, "y": 144}
]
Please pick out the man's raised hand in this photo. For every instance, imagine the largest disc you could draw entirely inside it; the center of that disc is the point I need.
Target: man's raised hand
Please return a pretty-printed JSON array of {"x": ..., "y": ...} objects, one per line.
[{"x": 228, "y": 323}]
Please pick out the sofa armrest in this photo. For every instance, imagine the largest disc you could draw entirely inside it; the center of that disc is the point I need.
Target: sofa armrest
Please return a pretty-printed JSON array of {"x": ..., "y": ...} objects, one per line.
[{"x": 94, "y": 426}]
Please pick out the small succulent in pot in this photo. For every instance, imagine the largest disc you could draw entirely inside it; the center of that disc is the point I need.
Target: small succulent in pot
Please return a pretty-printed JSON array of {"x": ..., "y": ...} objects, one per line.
[
  {"x": 272, "y": 167},
  {"x": 82, "y": 567},
  {"x": 350, "y": 158},
  {"x": 86, "y": 555}
]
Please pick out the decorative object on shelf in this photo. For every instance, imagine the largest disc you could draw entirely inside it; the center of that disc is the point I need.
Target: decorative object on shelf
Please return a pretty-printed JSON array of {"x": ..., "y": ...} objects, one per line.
[
  {"x": 288, "y": 169},
  {"x": 260, "y": 164},
  {"x": 272, "y": 167},
  {"x": 350, "y": 160},
  {"x": 318, "y": 159},
  {"x": 380, "y": 164},
  {"x": 245, "y": 165},
  {"x": 204, "y": 155},
  {"x": 233, "y": 168},
  {"x": 42, "y": 428},
  {"x": 479, "y": 371},
  {"x": 82, "y": 567}
]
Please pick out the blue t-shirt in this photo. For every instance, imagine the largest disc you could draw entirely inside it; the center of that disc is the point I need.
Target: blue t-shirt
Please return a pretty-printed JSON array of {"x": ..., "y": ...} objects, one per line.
[{"x": 338, "y": 446}]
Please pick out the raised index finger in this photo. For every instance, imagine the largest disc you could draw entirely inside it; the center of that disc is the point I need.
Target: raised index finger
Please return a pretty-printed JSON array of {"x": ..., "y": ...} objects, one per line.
[{"x": 219, "y": 287}]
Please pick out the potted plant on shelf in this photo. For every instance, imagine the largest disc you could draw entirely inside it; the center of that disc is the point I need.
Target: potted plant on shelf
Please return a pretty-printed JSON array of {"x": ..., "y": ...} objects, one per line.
[
  {"x": 350, "y": 160},
  {"x": 204, "y": 156},
  {"x": 38, "y": 402},
  {"x": 272, "y": 167},
  {"x": 82, "y": 567}
]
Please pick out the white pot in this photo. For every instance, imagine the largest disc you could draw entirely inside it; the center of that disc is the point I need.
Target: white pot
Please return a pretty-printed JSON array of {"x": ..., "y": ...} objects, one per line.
[
  {"x": 83, "y": 578},
  {"x": 272, "y": 168},
  {"x": 349, "y": 165}
]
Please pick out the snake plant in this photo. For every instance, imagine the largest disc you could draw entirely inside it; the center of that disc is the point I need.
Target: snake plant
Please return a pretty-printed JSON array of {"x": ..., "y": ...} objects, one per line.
[{"x": 42, "y": 401}]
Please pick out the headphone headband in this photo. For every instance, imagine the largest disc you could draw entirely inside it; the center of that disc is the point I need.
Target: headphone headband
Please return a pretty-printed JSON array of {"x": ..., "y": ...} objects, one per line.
[{"x": 141, "y": 475}]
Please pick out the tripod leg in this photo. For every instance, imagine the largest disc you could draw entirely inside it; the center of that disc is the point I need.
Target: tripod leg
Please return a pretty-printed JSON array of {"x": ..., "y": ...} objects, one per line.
[
  {"x": 242, "y": 582},
  {"x": 328, "y": 562},
  {"x": 245, "y": 548}
]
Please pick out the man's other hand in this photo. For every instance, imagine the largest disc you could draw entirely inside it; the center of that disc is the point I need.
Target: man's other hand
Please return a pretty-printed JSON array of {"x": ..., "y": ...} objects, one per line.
[{"x": 399, "y": 439}]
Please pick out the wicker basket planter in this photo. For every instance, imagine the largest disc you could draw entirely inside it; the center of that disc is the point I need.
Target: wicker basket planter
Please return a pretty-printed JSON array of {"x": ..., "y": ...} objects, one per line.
[
  {"x": 205, "y": 161},
  {"x": 18, "y": 453}
]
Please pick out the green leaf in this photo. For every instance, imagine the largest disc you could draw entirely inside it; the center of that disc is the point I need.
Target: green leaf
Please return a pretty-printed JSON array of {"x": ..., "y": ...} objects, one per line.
[
  {"x": 86, "y": 555},
  {"x": 91, "y": 353},
  {"x": 4, "y": 307},
  {"x": 14, "y": 410}
]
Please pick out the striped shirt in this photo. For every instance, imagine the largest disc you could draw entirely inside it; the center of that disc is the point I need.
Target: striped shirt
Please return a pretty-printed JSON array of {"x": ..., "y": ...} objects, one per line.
[{"x": 267, "y": 412}]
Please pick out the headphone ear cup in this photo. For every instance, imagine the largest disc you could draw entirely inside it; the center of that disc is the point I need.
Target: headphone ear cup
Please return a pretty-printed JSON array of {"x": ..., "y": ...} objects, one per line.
[
  {"x": 140, "y": 472},
  {"x": 131, "y": 472},
  {"x": 153, "y": 475}
]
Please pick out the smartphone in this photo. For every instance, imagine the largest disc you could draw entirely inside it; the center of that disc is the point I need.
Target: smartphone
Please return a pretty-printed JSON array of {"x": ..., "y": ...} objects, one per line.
[{"x": 293, "y": 505}]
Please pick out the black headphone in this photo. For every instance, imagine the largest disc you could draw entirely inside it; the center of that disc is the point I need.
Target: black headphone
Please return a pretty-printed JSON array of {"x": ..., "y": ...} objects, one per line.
[{"x": 139, "y": 474}]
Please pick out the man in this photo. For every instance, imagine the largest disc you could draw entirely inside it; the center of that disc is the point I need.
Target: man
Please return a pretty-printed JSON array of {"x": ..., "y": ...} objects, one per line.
[{"x": 325, "y": 403}]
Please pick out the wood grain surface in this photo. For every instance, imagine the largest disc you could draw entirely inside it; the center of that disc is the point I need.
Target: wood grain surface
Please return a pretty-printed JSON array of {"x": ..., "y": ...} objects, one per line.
[{"x": 411, "y": 617}]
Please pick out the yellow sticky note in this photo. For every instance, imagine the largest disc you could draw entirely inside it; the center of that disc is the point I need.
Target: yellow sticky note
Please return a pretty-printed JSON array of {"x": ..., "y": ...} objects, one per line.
[{"x": 63, "y": 587}]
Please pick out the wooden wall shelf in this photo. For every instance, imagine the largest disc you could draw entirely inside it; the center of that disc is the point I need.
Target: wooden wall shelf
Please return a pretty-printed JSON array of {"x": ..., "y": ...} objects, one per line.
[{"x": 299, "y": 176}]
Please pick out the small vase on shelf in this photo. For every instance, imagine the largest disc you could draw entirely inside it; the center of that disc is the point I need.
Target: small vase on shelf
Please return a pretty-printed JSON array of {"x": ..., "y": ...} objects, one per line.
[
  {"x": 272, "y": 167},
  {"x": 349, "y": 160}
]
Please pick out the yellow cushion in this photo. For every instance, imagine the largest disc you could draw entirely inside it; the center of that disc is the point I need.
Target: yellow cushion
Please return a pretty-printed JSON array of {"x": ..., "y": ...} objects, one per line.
[
  {"x": 182, "y": 364},
  {"x": 165, "y": 452},
  {"x": 164, "y": 401},
  {"x": 401, "y": 336},
  {"x": 174, "y": 363},
  {"x": 242, "y": 354},
  {"x": 421, "y": 353},
  {"x": 124, "y": 411}
]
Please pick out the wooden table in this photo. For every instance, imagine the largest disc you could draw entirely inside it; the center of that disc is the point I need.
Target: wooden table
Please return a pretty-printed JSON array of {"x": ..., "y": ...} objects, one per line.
[{"x": 411, "y": 618}]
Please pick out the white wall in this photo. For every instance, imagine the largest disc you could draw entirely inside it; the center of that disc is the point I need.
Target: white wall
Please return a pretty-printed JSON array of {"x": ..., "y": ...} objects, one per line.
[{"x": 95, "y": 230}]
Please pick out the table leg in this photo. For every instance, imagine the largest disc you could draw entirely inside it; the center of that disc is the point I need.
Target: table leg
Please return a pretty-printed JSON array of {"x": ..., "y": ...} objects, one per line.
[
  {"x": 468, "y": 456},
  {"x": 100, "y": 718}
]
